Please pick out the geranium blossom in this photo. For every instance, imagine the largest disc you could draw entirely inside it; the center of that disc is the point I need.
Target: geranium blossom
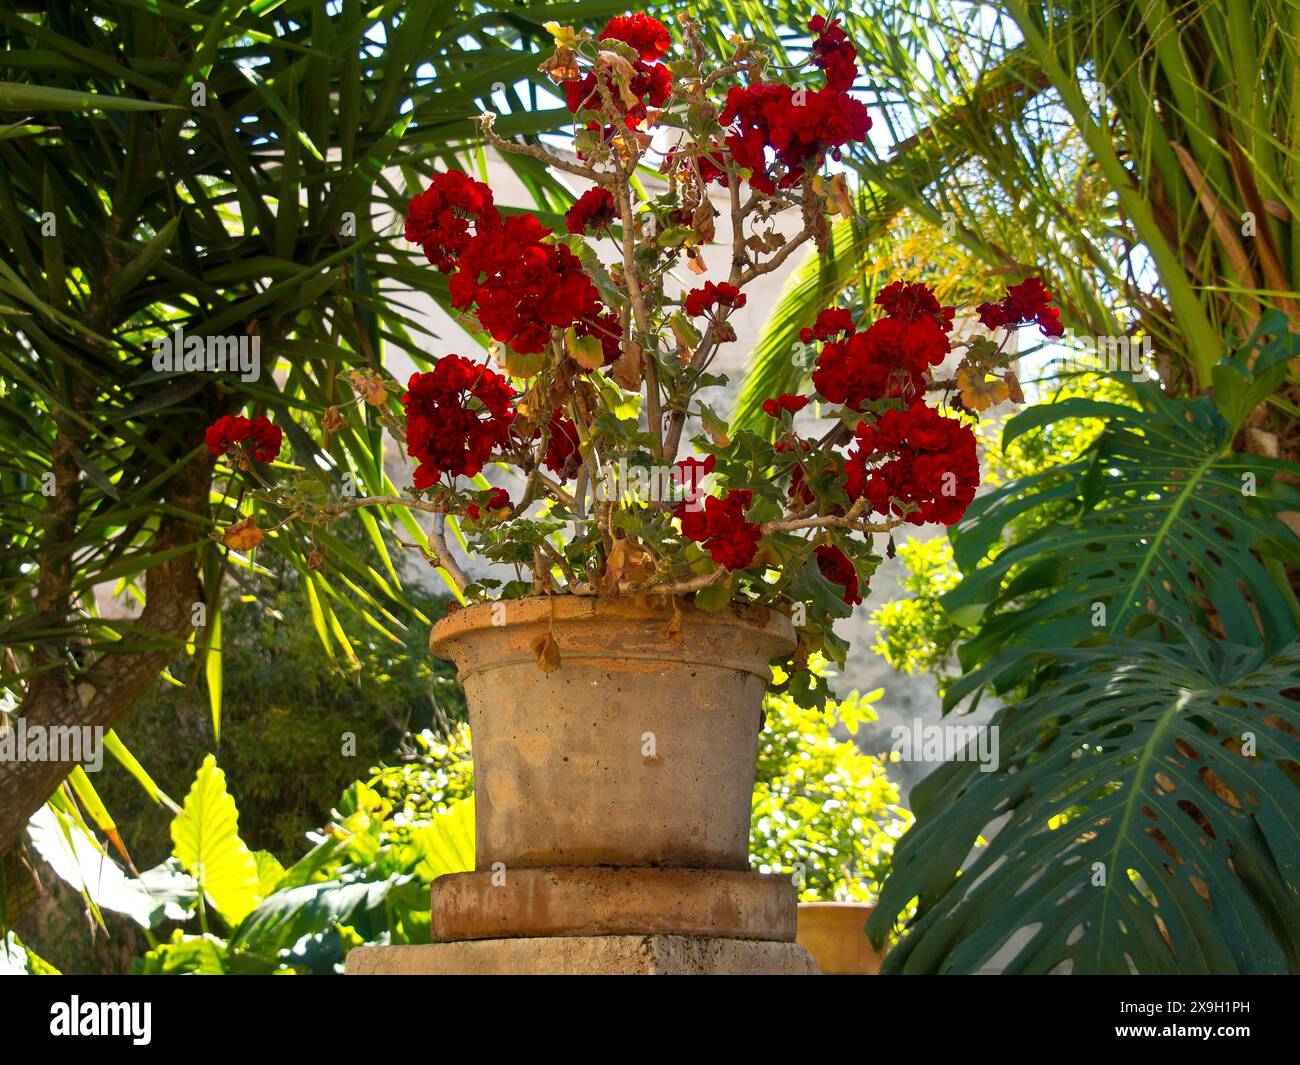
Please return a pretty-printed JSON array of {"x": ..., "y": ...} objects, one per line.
[
  {"x": 720, "y": 527},
  {"x": 838, "y": 568},
  {"x": 439, "y": 219},
  {"x": 593, "y": 210},
  {"x": 914, "y": 457},
  {"x": 254, "y": 438},
  {"x": 456, "y": 416},
  {"x": 1024, "y": 303}
]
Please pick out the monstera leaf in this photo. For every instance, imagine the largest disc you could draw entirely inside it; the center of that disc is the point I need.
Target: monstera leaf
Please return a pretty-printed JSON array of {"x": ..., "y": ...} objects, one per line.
[
  {"x": 1143, "y": 817},
  {"x": 1163, "y": 519}
]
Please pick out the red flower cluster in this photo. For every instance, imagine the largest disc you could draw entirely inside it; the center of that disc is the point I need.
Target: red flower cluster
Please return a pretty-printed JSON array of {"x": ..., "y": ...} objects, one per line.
[
  {"x": 498, "y": 499},
  {"x": 521, "y": 286},
  {"x": 930, "y": 462},
  {"x": 439, "y": 218},
  {"x": 254, "y": 438},
  {"x": 689, "y": 474},
  {"x": 830, "y": 323},
  {"x": 720, "y": 526},
  {"x": 889, "y": 358},
  {"x": 913, "y": 302},
  {"x": 838, "y": 568},
  {"x": 456, "y": 416},
  {"x": 799, "y": 126},
  {"x": 651, "y": 83},
  {"x": 773, "y": 408},
  {"x": 594, "y": 210},
  {"x": 647, "y": 35},
  {"x": 1024, "y": 303},
  {"x": 700, "y": 301},
  {"x": 561, "y": 443},
  {"x": 833, "y": 52}
]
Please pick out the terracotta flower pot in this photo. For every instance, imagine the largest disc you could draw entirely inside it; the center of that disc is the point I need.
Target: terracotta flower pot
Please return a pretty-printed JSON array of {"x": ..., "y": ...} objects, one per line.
[
  {"x": 834, "y": 934},
  {"x": 637, "y": 751}
]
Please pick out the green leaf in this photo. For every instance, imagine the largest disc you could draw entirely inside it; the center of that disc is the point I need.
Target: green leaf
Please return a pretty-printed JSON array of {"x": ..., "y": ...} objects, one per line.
[
  {"x": 16, "y": 97},
  {"x": 1165, "y": 522},
  {"x": 135, "y": 271},
  {"x": 446, "y": 843},
  {"x": 205, "y": 837},
  {"x": 1142, "y": 817},
  {"x": 212, "y": 673}
]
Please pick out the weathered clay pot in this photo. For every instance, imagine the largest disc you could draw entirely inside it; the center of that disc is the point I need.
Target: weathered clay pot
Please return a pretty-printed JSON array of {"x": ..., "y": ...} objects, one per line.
[
  {"x": 637, "y": 751},
  {"x": 834, "y": 934}
]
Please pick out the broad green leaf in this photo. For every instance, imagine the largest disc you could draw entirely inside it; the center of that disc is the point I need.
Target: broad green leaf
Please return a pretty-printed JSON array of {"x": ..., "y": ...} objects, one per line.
[
  {"x": 205, "y": 837},
  {"x": 1142, "y": 817}
]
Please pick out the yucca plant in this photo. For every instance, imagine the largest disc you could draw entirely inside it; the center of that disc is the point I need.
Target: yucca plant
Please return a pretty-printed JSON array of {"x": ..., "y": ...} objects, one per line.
[{"x": 213, "y": 171}]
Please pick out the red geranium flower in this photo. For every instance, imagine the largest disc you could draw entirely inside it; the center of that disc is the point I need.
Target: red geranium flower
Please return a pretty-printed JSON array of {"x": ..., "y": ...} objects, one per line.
[
  {"x": 838, "y": 568},
  {"x": 561, "y": 443},
  {"x": 439, "y": 218},
  {"x": 798, "y": 127},
  {"x": 246, "y": 438},
  {"x": 651, "y": 83},
  {"x": 915, "y": 456},
  {"x": 498, "y": 499},
  {"x": 594, "y": 209},
  {"x": 833, "y": 52},
  {"x": 521, "y": 286},
  {"x": 700, "y": 301},
  {"x": 891, "y": 357},
  {"x": 794, "y": 404},
  {"x": 689, "y": 474},
  {"x": 722, "y": 529},
  {"x": 830, "y": 323},
  {"x": 914, "y": 302},
  {"x": 647, "y": 35},
  {"x": 456, "y": 416},
  {"x": 1024, "y": 303}
]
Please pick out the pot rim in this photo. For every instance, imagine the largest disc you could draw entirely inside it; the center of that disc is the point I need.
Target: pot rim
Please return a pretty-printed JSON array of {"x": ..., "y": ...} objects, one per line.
[{"x": 764, "y": 622}]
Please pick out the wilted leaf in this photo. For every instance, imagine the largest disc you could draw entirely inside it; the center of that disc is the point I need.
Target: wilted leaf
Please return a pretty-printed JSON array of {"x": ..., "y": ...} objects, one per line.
[
  {"x": 243, "y": 535},
  {"x": 547, "y": 652},
  {"x": 587, "y": 351},
  {"x": 835, "y": 191},
  {"x": 627, "y": 371},
  {"x": 977, "y": 393}
]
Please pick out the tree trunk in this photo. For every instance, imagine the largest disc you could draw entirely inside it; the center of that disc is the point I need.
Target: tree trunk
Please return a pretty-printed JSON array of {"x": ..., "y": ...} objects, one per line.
[{"x": 100, "y": 695}]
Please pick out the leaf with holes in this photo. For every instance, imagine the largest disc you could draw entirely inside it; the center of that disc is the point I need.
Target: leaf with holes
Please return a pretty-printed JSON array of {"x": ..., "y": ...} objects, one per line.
[
  {"x": 1164, "y": 521},
  {"x": 1142, "y": 817}
]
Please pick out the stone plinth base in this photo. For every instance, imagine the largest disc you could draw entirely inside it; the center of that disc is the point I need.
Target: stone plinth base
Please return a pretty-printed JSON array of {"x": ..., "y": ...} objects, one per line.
[
  {"x": 587, "y": 956},
  {"x": 597, "y": 901}
]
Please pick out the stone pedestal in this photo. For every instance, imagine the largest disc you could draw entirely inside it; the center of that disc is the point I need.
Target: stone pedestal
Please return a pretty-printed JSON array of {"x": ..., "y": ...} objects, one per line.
[
  {"x": 587, "y": 956},
  {"x": 586, "y": 920}
]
